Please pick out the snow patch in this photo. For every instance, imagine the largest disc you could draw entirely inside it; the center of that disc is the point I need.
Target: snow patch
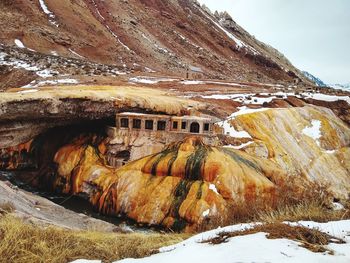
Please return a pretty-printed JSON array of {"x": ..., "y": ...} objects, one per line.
[
  {"x": 58, "y": 81},
  {"x": 46, "y": 73},
  {"x": 337, "y": 206},
  {"x": 206, "y": 213},
  {"x": 192, "y": 82},
  {"x": 239, "y": 43},
  {"x": 239, "y": 147},
  {"x": 314, "y": 131},
  {"x": 117, "y": 38},
  {"x": 75, "y": 53},
  {"x": 213, "y": 188},
  {"x": 325, "y": 97},
  {"x": 97, "y": 10},
  {"x": 27, "y": 91},
  {"x": 230, "y": 130},
  {"x": 19, "y": 43},
  {"x": 149, "y": 80},
  {"x": 48, "y": 12}
]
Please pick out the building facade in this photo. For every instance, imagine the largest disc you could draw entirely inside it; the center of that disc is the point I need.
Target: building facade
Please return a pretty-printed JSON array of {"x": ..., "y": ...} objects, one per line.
[
  {"x": 137, "y": 135},
  {"x": 164, "y": 123}
]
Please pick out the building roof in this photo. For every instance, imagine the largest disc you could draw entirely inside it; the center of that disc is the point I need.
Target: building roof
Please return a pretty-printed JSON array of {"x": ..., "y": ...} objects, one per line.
[{"x": 186, "y": 117}]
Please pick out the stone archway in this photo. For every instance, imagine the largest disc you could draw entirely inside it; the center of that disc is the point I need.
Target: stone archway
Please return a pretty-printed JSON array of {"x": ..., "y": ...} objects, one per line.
[{"x": 195, "y": 127}]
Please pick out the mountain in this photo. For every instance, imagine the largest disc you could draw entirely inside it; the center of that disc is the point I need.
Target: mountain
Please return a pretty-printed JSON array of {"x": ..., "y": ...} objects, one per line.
[
  {"x": 341, "y": 86},
  {"x": 167, "y": 37},
  {"x": 314, "y": 79}
]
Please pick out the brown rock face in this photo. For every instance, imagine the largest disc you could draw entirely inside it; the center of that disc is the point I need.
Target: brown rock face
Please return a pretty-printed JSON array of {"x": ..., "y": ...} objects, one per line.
[
  {"x": 144, "y": 35},
  {"x": 12, "y": 78}
]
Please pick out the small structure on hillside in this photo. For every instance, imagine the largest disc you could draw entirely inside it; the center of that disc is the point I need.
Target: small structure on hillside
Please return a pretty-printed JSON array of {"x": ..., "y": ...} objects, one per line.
[
  {"x": 194, "y": 72},
  {"x": 137, "y": 134}
]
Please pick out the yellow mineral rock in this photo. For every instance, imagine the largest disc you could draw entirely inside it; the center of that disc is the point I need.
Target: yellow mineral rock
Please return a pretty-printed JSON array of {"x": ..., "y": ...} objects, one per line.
[
  {"x": 177, "y": 188},
  {"x": 307, "y": 142}
]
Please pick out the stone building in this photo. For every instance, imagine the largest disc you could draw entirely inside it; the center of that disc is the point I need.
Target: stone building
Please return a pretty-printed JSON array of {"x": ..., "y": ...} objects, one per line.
[{"x": 137, "y": 135}]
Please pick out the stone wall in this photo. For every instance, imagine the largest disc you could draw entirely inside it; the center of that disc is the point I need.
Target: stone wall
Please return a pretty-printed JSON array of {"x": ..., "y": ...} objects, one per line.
[{"x": 140, "y": 143}]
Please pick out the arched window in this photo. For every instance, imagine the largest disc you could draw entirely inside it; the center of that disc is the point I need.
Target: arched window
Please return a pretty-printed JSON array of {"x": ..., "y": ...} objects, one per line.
[{"x": 194, "y": 127}]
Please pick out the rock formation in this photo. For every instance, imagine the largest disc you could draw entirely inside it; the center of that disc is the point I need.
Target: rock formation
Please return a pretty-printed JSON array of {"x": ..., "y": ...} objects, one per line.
[
  {"x": 27, "y": 113},
  {"x": 307, "y": 142},
  {"x": 177, "y": 188}
]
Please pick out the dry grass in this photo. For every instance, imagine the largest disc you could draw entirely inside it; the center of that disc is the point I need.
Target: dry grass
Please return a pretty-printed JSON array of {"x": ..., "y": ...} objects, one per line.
[
  {"x": 311, "y": 239},
  {"x": 22, "y": 242},
  {"x": 313, "y": 203},
  {"x": 311, "y": 211},
  {"x": 6, "y": 208}
]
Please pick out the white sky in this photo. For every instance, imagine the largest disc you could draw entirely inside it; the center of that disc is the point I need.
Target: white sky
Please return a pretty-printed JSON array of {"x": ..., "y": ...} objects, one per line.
[{"x": 313, "y": 34}]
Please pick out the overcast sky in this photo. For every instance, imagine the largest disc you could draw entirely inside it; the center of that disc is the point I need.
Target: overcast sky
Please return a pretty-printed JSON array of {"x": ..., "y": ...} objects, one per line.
[{"x": 313, "y": 34}]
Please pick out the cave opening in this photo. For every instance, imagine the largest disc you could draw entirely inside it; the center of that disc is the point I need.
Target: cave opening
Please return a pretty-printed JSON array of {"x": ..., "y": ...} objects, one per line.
[{"x": 33, "y": 169}]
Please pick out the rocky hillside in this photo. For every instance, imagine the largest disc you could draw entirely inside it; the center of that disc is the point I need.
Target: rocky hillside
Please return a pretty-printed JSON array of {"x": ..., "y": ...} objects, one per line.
[{"x": 159, "y": 36}]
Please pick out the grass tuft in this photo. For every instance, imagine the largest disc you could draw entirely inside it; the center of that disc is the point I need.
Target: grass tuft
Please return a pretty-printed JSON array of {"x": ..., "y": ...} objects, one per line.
[{"x": 6, "y": 208}]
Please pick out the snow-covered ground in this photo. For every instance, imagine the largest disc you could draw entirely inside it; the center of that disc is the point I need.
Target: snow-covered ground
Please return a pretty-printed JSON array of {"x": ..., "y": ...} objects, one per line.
[
  {"x": 253, "y": 248},
  {"x": 251, "y": 98},
  {"x": 35, "y": 83},
  {"x": 149, "y": 80},
  {"x": 325, "y": 97}
]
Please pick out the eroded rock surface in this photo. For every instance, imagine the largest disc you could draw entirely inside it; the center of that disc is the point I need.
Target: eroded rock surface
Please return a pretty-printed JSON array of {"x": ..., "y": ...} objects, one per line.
[
  {"x": 189, "y": 183},
  {"x": 308, "y": 142},
  {"x": 27, "y": 113},
  {"x": 39, "y": 210},
  {"x": 177, "y": 188}
]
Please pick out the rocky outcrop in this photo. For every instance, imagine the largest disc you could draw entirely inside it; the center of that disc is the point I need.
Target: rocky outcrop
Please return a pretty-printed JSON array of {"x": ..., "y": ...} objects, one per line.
[
  {"x": 39, "y": 210},
  {"x": 27, "y": 113},
  {"x": 307, "y": 142},
  {"x": 12, "y": 78},
  {"x": 179, "y": 188},
  {"x": 189, "y": 183}
]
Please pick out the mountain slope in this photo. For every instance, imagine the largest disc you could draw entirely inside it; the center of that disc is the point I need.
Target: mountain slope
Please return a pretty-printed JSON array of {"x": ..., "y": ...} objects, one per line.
[
  {"x": 166, "y": 36},
  {"x": 314, "y": 79}
]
